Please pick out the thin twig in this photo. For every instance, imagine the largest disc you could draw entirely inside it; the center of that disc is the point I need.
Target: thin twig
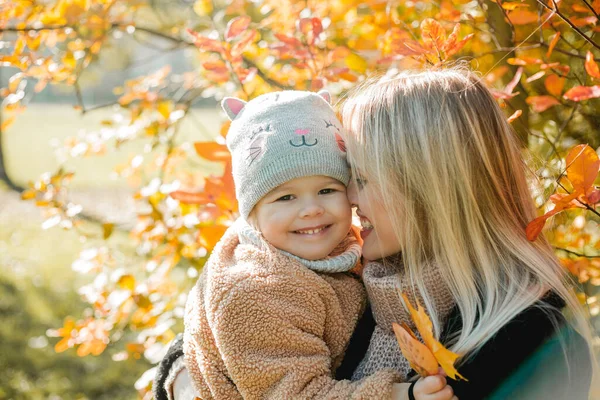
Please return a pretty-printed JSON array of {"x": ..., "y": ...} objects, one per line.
[
  {"x": 568, "y": 21},
  {"x": 575, "y": 253},
  {"x": 591, "y": 8}
]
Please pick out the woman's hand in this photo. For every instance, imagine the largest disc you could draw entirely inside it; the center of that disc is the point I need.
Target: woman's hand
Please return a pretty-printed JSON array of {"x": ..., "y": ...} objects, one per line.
[{"x": 433, "y": 387}]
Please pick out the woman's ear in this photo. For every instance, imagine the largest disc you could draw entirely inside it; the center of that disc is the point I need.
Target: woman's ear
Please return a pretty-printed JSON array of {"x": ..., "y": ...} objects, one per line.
[
  {"x": 325, "y": 94},
  {"x": 232, "y": 106}
]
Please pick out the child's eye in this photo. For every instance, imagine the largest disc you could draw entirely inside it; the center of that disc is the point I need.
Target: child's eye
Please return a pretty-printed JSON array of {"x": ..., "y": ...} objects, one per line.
[
  {"x": 287, "y": 197},
  {"x": 327, "y": 191}
]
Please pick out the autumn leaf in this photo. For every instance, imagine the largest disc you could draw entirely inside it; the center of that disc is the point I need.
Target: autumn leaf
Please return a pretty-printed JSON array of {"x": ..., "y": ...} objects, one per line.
[
  {"x": 541, "y": 103},
  {"x": 356, "y": 63},
  {"x": 515, "y": 115},
  {"x": 552, "y": 44},
  {"x": 434, "y": 36},
  {"x": 203, "y": 7},
  {"x": 581, "y": 93},
  {"x": 311, "y": 28},
  {"x": 582, "y": 167},
  {"x": 127, "y": 282},
  {"x": 210, "y": 235},
  {"x": 212, "y": 151},
  {"x": 590, "y": 65},
  {"x": 443, "y": 356},
  {"x": 523, "y": 17},
  {"x": 236, "y": 26},
  {"x": 189, "y": 197},
  {"x": 420, "y": 358},
  {"x": 511, "y": 5},
  {"x": 107, "y": 230},
  {"x": 554, "y": 84}
]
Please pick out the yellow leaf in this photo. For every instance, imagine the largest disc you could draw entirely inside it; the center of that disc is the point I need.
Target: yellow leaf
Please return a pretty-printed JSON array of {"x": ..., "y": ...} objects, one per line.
[
  {"x": 420, "y": 358},
  {"x": 582, "y": 167},
  {"x": 107, "y": 230},
  {"x": 164, "y": 108},
  {"x": 28, "y": 194},
  {"x": 445, "y": 357},
  {"x": 127, "y": 282},
  {"x": 356, "y": 63},
  {"x": 203, "y": 7}
]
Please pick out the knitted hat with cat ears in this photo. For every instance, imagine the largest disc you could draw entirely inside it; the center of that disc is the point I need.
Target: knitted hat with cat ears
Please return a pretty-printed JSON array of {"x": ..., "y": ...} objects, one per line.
[{"x": 281, "y": 136}]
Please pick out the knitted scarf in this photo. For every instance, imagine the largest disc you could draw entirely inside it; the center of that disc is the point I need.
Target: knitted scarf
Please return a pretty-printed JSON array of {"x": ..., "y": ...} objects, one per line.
[
  {"x": 343, "y": 258},
  {"x": 385, "y": 280}
]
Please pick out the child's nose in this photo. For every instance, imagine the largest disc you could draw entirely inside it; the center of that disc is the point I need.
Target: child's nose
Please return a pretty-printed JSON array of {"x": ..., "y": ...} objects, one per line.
[{"x": 311, "y": 209}]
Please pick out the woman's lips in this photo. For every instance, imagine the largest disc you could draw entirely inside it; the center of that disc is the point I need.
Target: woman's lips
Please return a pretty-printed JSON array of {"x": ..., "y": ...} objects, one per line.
[{"x": 367, "y": 227}]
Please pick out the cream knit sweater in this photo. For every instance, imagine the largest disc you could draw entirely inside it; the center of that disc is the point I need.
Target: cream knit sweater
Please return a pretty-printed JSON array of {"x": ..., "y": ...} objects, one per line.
[{"x": 260, "y": 325}]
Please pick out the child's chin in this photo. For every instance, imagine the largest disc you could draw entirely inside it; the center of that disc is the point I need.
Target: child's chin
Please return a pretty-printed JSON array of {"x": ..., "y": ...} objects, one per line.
[{"x": 314, "y": 256}]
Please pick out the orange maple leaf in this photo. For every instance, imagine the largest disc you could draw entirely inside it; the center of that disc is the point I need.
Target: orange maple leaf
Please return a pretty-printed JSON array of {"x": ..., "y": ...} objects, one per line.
[
  {"x": 424, "y": 358},
  {"x": 583, "y": 165}
]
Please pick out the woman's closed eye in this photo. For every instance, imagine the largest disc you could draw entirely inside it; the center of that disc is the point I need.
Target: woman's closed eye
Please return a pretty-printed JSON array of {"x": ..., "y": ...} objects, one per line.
[{"x": 360, "y": 182}]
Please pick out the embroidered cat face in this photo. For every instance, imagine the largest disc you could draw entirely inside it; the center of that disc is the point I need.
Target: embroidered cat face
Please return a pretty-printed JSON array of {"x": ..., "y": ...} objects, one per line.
[{"x": 303, "y": 135}]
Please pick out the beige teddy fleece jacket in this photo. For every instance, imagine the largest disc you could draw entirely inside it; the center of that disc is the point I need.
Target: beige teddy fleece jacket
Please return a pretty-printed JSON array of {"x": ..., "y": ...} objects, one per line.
[{"x": 260, "y": 325}]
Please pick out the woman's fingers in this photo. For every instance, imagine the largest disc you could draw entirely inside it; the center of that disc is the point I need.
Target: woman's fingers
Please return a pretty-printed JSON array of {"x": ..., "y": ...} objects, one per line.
[
  {"x": 446, "y": 393},
  {"x": 430, "y": 385}
]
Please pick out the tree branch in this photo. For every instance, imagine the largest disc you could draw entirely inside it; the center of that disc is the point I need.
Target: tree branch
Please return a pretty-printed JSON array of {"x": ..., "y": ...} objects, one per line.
[
  {"x": 575, "y": 253},
  {"x": 568, "y": 21}
]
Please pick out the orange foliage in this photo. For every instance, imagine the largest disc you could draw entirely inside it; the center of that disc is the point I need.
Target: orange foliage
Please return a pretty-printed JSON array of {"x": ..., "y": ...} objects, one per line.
[
  {"x": 244, "y": 48},
  {"x": 424, "y": 358}
]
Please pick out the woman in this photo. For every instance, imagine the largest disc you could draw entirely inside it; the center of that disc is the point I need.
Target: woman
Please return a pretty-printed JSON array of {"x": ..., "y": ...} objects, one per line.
[{"x": 440, "y": 187}]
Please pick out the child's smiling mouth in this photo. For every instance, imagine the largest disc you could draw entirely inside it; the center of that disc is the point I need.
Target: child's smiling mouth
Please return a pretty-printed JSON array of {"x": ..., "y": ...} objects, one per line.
[{"x": 312, "y": 230}]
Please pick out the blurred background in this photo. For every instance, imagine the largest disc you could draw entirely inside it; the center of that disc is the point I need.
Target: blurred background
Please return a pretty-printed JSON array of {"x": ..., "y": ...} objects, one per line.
[{"x": 114, "y": 183}]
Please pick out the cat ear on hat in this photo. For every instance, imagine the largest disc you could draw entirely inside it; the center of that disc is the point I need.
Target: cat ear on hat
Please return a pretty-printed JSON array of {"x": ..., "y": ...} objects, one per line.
[
  {"x": 232, "y": 106},
  {"x": 326, "y": 95}
]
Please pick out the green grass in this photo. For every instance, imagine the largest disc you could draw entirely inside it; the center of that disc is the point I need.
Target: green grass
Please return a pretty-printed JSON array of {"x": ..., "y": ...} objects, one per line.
[{"x": 38, "y": 288}]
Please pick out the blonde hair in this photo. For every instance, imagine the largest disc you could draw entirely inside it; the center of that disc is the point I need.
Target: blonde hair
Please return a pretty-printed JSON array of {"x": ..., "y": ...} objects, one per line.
[{"x": 452, "y": 179}]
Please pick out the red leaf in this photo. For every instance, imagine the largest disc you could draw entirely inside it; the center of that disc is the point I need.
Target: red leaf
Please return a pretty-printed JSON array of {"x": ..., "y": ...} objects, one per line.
[
  {"x": 590, "y": 65},
  {"x": 311, "y": 28},
  {"x": 236, "y": 26},
  {"x": 204, "y": 43},
  {"x": 541, "y": 103},
  {"x": 247, "y": 38},
  {"x": 594, "y": 196},
  {"x": 534, "y": 228},
  {"x": 580, "y": 93}
]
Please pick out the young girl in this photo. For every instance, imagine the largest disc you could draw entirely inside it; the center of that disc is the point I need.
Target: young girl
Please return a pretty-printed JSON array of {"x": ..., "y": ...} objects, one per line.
[
  {"x": 442, "y": 194},
  {"x": 275, "y": 307}
]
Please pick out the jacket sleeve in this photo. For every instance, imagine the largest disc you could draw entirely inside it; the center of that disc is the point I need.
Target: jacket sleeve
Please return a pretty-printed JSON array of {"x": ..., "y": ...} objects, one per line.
[
  {"x": 531, "y": 357},
  {"x": 168, "y": 368},
  {"x": 271, "y": 333}
]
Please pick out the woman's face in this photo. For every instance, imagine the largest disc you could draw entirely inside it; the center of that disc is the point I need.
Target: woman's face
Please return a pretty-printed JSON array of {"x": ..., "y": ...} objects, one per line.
[{"x": 379, "y": 238}]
